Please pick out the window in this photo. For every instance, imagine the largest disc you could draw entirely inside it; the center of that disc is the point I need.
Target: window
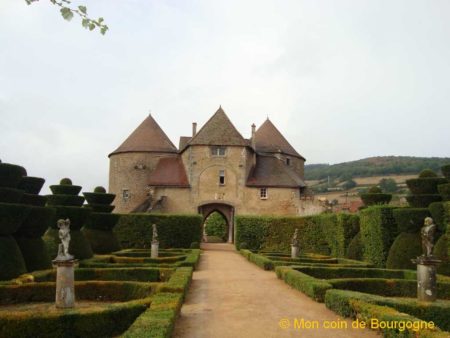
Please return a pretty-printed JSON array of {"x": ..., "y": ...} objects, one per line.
[
  {"x": 218, "y": 151},
  {"x": 125, "y": 194},
  {"x": 221, "y": 177},
  {"x": 288, "y": 161},
  {"x": 263, "y": 193}
]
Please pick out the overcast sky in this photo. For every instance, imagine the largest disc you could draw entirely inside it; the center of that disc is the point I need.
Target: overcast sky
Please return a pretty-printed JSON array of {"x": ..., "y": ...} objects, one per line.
[{"x": 342, "y": 80}]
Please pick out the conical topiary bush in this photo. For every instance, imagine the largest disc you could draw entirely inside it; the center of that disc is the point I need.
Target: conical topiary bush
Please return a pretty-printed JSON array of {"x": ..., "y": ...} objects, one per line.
[
  {"x": 12, "y": 216},
  {"x": 98, "y": 228},
  {"x": 424, "y": 189},
  {"x": 67, "y": 204},
  {"x": 29, "y": 236}
]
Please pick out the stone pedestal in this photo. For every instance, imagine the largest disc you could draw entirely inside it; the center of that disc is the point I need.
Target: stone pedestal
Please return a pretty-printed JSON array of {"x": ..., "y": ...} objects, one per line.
[
  {"x": 65, "y": 290},
  {"x": 426, "y": 278},
  {"x": 155, "y": 250},
  {"x": 295, "y": 250}
]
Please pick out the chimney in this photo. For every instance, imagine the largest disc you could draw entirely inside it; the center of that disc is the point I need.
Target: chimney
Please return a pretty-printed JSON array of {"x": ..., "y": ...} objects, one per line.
[
  {"x": 253, "y": 136},
  {"x": 194, "y": 129}
]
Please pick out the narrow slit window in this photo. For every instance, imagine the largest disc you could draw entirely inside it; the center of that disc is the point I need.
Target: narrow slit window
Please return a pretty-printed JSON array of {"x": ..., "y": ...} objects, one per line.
[
  {"x": 288, "y": 161},
  {"x": 221, "y": 177}
]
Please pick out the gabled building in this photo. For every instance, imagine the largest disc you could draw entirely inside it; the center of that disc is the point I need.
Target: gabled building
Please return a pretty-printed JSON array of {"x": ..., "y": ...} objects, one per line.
[{"x": 214, "y": 169}]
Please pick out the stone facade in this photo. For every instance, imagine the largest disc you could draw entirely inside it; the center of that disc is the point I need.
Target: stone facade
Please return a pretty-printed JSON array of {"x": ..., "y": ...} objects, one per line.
[{"x": 215, "y": 169}]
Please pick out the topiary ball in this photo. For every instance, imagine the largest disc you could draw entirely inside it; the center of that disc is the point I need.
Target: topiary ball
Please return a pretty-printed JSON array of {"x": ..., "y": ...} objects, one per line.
[
  {"x": 427, "y": 173},
  {"x": 65, "y": 181},
  {"x": 375, "y": 190},
  {"x": 100, "y": 190}
]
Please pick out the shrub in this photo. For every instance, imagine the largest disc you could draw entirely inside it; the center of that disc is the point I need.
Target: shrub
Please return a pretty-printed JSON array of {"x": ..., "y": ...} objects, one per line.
[
  {"x": 244, "y": 246},
  {"x": 99, "y": 198},
  {"x": 12, "y": 217},
  {"x": 406, "y": 246},
  {"x": 339, "y": 272},
  {"x": 102, "y": 221},
  {"x": 31, "y": 185},
  {"x": 446, "y": 171},
  {"x": 444, "y": 191},
  {"x": 441, "y": 250},
  {"x": 100, "y": 189},
  {"x": 78, "y": 216},
  {"x": 216, "y": 225},
  {"x": 261, "y": 261},
  {"x": 34, "y": 200},
  {"x": 410, "y": 219},
  {"x": 65, "y": 189},
  {"x": 65, "y": 181},
  {"x": 11, "y": 262},
  {"x": 425, "y": 185},
  {"x": 375, "y": 190},
  {"x": 176, "y": 231},
  {"x": 427, "y": 173},
  {"x": 35, "y": 253},
  {"x": 378, "y": 231},
  {"x": 79, "y": 246},
  {"x": 65, "y": 200},
  {"x": 195, "y": 245},
  {"x": 437, "y": 212},
  {"x": 376, "y": 198},
  {"x": 355, "y": 248},
  {"x": 100, "y": 207},
  {"x": 101, "y": 241},
  {"x": 37, "y": 222},
  {"x": 423, "y": 200},
  {"x": 11, "y": 175},
  {"x": 10, "y": 195}
]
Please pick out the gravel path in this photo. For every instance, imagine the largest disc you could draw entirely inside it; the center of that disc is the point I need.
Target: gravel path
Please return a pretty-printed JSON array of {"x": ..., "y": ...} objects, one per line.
[{"x": 233, "y": 298}]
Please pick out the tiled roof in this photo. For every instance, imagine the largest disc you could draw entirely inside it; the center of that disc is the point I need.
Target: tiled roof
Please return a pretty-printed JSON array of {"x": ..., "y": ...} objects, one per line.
[
  {"x": 183, "y": 141},
  {"x": 272, "y": 172},
  {"x": 148, "y": 137},
  {"x": 268, "y": 139},
  {"x": 218, "y": 131},
  {"x": 169, "y": 172}
]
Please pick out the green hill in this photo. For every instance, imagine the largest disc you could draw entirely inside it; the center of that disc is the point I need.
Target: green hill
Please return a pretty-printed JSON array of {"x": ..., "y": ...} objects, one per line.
[{"x": 375, "y": 166}]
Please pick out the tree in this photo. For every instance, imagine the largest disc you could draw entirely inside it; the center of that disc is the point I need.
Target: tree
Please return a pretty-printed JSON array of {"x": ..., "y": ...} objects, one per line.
[
  {"x": 216, "y": 225},
  {"x": 68, "y": 11},
  {"x": 388, "y": 185},
  {"x": 349, "y": 184}
]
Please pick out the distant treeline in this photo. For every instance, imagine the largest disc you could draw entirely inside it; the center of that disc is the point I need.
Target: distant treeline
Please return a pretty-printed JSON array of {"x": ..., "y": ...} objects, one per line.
[{"x": 375, "y": 166}]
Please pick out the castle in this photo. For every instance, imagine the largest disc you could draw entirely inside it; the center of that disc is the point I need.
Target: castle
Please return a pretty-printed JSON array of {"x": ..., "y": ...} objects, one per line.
[{"x": 215, "y": 169}]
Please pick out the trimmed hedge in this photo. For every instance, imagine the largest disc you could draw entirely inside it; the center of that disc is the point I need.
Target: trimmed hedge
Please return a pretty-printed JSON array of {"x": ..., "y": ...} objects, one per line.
[
  {"x": 174, "y": 231},
  {"x": 437, "y": 211},
  {"x": 34, "y": 200},
  {"x": 10, "y": 195},
  {"x": 11, "y": 175},
  {"x": 65, "y": 200},
  {"x": 406, "y": 246},
  {"x": 410, "y": 219},
  {"x": 99, "y": 198},
  {"x": 179, "y": 281},
  {"x": 101, "y": 241},
  {"x": 423, "y": 200},
  {"x": 73, "y": 190},
  {"x": 78, "y": 216},
  {"x": 376, "y": 199},
  {"x": 340, "y": 301},
  {"x": 427, "y": 185},
  {"x": 37, "y": 222},
  {"x": 12, "y": 217},
  {"x": 310, "y": 286},
  {"x": 444, "y": 190},
  {"x": 100, "y": 207},
  {"x": 11, "y": 261},
  {"x": 31, "y": 185},
  {"x": 442, "y": 251},
  {"x": 354, "y": 272},
  {"x": 263, "y": 262},
  {"x": 35, "y": 253},
  {"x": 355, "y": 249},
  {"x": 79, "y": 246},
  {"x": 378, "y": 231}
]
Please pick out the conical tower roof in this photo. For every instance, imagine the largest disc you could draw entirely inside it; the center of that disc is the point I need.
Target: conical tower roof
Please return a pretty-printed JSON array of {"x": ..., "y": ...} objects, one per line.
[
  {"x": 148, "y": 137},
  {"x": 218, "y": 131},
  {"x": 268, "y": 139}
]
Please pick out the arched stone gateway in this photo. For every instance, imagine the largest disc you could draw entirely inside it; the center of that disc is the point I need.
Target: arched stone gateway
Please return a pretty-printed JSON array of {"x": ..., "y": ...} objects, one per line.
[{"x": 226, "y": 210}]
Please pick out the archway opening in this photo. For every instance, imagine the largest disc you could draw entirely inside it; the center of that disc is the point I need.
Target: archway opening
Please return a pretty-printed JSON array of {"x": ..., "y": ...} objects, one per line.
[
  {"x": 225, "y": 210},
  {"x": 215, "y": 228}
]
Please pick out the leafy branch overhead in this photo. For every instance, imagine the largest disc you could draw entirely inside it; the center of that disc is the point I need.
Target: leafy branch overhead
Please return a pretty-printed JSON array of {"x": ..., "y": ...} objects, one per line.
[{"x": 68, "y": 11}]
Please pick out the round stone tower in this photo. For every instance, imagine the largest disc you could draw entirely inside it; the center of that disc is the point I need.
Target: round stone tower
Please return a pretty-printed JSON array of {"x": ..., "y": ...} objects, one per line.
[{"x": 131, "y": 164}]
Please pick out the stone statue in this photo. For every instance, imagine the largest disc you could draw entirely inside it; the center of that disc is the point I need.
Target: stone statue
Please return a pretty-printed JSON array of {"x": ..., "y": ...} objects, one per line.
[
  {"x": 64, "y": 236},
  {"x": 427, "y": 232},
  {"x": 155, "y": 234},
  {"x": 294, "y": 241}
]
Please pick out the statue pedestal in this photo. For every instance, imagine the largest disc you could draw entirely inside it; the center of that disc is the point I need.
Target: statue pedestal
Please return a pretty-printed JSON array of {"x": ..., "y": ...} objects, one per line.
[
  {"x": 155, "y": 250},
  {"x": 295, "y": 250},
  {"x": 426, "y": 278},
  {"x": 65, "y": 290}
]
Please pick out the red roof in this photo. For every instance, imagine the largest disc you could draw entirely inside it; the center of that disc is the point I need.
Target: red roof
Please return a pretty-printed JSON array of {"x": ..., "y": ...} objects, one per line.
[
  {"x": 148, "y": 137},
  {"x": 169, "y": 172},
  {"x": 268, "y": 139}
]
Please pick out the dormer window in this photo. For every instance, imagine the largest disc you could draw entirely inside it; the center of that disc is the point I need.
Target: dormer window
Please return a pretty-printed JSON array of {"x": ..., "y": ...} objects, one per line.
[
  {"x": 288, "y": 161},
  {"x": 218, "y": 151}
]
